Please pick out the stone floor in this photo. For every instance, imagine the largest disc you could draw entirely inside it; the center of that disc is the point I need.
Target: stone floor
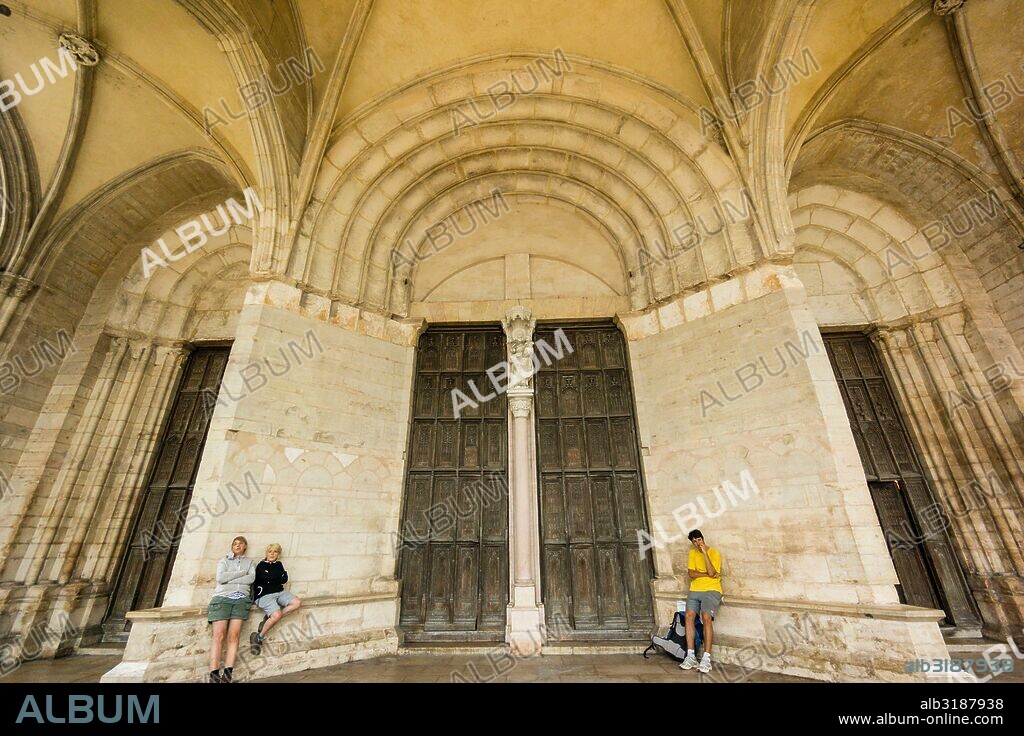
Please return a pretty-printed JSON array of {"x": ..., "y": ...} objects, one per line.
[
  {"x": 441, "y": 668},
  {"x": 547, "y": 668},
  {"x": 470, "y": 667}
]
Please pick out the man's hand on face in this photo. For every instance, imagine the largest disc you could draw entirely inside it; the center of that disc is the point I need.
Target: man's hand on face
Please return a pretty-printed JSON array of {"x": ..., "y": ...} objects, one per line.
[{"x": 700, "y": 545}]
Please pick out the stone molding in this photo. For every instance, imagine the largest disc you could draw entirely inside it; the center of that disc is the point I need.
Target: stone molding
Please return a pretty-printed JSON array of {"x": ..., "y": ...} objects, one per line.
[
  {"x": 743, "y": 287},
  {"x": 292, "y": 298}
]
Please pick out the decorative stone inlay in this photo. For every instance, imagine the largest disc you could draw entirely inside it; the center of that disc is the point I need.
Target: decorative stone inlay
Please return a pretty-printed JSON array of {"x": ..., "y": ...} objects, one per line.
[
  {"x": 946, "y": 7},
  {"x": 80, "y": 48}
]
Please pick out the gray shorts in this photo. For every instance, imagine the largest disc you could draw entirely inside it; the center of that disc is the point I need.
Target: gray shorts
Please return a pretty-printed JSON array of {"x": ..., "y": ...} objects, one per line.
[
  {"x": 274, "y": 601},
  {"x": 706, "y": 601}
]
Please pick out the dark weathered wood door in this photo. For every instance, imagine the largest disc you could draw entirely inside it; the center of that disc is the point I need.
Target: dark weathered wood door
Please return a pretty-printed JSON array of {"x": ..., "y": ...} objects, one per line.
[
  {"x": 927, "y": 568},
  {"x": 591, "y": 490},
  {"x": 453, "y": 560},
  {"x": 147, "y": 565}
]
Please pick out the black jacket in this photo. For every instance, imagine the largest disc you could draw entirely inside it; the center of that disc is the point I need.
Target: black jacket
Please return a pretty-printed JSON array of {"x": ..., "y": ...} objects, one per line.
[{"x": 270, "y": 578}]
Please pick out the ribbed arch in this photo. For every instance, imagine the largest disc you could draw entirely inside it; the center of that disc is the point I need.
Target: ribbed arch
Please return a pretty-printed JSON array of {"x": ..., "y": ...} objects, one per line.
[{"x": 615, "y": 145}]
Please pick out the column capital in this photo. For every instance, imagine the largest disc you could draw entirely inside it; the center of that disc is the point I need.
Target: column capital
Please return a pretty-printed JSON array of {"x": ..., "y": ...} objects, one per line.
[
  {"x": 16, "y": 286},
  {"x": 520, "y": 404}
]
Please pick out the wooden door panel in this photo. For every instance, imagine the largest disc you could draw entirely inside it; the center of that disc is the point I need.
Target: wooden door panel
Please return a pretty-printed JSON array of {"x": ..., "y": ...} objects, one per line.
[
  {"x": 455, "y": 581},
  {"x": 494, "y": 598},
  {"x": 581, "y": 526},
  {"x": 557, "y": 583},
  {"x": 612, "y": 590},
  {"x": 554, "y": 526},
  {"x": 606, "y": 528},
  {"x": 591, "y": 500},
  {"x": 440, "y": 584},
  {"x": 599, "y": 451},
  {"x": 413, "y": 572},
  {"x": 468, "y": 525},
  {"x": 467, "y": 585},
  {"x": 584, "y": 586}
]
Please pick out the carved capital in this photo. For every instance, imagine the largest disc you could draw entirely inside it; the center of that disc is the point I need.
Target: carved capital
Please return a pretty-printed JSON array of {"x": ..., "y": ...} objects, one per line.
[
  {"x": 16, "y": 286},
  {"x": 947, "y": 7},
  {"x": 80, "y": 49},
  {"x": 521, "y": 406}
]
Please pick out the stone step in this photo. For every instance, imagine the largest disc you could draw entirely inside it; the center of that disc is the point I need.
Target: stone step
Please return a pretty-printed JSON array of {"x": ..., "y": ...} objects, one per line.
[
  {"x": 102, "y": 650},
  {"x": 959, "y": 633},
  {"x": 609, "y": 646}
]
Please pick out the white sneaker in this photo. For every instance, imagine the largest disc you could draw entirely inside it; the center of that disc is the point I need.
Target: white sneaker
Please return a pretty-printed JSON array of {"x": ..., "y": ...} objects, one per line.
[
  {"x": 705, "y": 665},
  {"x": 689, "y": 663}
]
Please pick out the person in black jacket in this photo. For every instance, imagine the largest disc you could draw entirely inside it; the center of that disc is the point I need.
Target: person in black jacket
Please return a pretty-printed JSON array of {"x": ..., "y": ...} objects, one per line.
[{"x": 271, "y": 596}]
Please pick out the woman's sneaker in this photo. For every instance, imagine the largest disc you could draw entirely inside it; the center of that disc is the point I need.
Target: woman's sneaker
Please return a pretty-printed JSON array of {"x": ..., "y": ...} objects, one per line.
[
  {"x": 256, "y": 639},
  {"x": 689, "y": 663},
  {"x": 214, "y": 676},
  {"x": 705, "y": 664}
]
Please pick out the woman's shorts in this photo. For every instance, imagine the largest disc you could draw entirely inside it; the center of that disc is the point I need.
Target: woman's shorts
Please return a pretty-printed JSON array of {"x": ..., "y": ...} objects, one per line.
[
  {"x": 274, "y": 601},
  {"x": 228, "y": 609}
]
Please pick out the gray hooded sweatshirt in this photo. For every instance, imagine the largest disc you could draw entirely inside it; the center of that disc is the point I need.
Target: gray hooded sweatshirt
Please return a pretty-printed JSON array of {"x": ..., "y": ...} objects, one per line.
[{"x": 234, "y": 575}]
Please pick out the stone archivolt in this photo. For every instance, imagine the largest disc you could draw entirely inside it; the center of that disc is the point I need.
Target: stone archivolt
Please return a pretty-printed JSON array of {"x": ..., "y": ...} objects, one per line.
[{"x": 630, "y": 157}]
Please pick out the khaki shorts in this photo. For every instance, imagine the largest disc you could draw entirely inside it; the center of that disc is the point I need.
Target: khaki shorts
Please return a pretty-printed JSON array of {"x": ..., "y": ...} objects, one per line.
[{"x": 227, "y": 609}]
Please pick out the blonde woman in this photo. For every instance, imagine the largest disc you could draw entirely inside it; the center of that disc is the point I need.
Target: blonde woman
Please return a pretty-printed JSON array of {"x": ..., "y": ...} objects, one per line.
[
  {"x": 229, "y": 607},
  {"x": 271, "y": 596}
]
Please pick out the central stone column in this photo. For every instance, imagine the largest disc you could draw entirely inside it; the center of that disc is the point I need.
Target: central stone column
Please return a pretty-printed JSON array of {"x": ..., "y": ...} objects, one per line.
[{"x": 524, "y": 630}]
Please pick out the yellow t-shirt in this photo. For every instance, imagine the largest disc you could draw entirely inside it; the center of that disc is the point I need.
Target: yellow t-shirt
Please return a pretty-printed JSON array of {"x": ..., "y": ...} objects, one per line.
[{"x": 696, "y": 562}]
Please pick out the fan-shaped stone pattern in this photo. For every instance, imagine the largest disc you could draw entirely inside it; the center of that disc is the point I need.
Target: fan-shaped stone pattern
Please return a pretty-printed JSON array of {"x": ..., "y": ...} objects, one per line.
[
  {"x": 627, "y": 155},
  {"x": 945, "y": 198},
  {"x": 897, "y": 272}
]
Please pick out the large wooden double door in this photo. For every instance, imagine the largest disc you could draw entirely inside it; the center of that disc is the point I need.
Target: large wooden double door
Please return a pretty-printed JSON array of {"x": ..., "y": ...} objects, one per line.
[{"x": 453, "y": 560}]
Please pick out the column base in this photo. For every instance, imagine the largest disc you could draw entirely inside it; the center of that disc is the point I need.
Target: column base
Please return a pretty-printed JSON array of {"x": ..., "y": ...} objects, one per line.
[{"x": 525, "y": 632}]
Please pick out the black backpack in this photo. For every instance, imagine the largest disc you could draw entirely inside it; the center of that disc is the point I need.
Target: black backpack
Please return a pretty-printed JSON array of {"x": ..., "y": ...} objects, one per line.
[{"x": 674, "y": 641}]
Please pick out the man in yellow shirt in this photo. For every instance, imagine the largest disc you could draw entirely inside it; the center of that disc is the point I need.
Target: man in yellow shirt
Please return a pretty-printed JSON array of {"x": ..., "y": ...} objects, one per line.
[{"x": 705, "y": 569}]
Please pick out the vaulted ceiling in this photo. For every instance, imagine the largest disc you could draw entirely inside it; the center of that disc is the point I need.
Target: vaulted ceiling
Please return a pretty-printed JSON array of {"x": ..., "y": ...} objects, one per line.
[{"x": 855, "y": 72}]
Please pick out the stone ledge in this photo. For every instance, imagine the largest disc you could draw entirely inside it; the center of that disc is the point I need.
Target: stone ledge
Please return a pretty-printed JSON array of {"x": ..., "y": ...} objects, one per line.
[
  {"x": 338, "y": 649},
  {"x": 909, "y": 614},
  {"x": 170, "y": 613},
  {"x": 173, "y": 644},
  {"x": 835, "y": 642}
]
